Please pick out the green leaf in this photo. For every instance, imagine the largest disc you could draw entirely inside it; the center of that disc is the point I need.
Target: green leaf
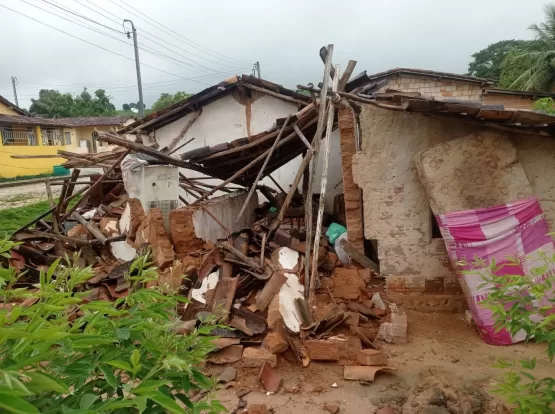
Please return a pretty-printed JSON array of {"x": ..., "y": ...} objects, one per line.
[
  {"x": 140, "y": 402},
  {"x": 135, "y": 357},
  {"x": 84, "y": 341},
  {"x": 201, "y": 379},
  {"x": 17, "y": 405},
  {"x": 121, "y": 365},
  {"x": 166, "y": 402},
  {"x": 109, "y": 376},
  {"x": 149, "y": 385},
  {"x": 87, "y": 400},
  {"x": 123, "y": 333},
  {"x": 41, "y": 382}
]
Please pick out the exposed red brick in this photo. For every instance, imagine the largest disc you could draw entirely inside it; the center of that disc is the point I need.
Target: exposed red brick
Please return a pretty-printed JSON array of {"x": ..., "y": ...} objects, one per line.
[
  {"x": 137, "y": 216},
  {"x": 275, "y": 343},
  {"x": 78, "y": 231},
  {"x": 323, "y": 350},
  {"x": 255, "y": 357},
  {"x": 347, "y": 284},
  {"x": 371, "y": 357},
  {"x": 109, "y": 226},
  {"x": 182, "y": 231},
  {"x": 152, "y": 232}
]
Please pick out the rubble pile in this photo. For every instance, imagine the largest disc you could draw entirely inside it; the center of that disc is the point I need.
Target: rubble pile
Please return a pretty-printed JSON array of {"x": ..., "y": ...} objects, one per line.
[{"x": 288, "y": 283}]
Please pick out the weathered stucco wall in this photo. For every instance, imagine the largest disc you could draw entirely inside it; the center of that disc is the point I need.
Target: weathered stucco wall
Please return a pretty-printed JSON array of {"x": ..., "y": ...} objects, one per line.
[
  {"x": 397, "y": 212},
  {"x": 396, "y": 209}
]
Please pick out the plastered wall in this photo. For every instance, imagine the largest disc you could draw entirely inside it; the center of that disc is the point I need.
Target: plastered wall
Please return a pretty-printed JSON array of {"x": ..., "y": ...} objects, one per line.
[{"x": 396, "y": 209}]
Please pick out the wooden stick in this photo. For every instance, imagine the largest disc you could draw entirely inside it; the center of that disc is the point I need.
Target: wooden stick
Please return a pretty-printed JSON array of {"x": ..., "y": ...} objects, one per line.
[
  {"x": 302, "y": 137},
  {"x": 34, "y": 156},
  {"x": 183, "y": 200},
  {"x": 97, "y": 182},
  {"x": 182, "y": 133},
  {"x": 316, "y": 145},
  {"x": 93, "y": 230},
  {"x": 356, "y": 98},
  {"x": 63, "y": 195},
  {"x": 346, "y": 75},
  {"x": 70, "y": 188},
  {"x": 323, "y": 185},
  {"x": 87, "y": 182},
  {"x": 280, "y": 188},
  {"x": 59, "y": 237},
  {"x": 358, "y": 256},
  {"x": 264, "y": 164},
  {"x": 275, "y": 94},
  {"x": 263, "y": 248},
  {"x": 55, "y": 218},
  {"x": 241, "y": 256},
  {"x": 47, "y": 212},
  {"x": 181, "y": 146}
]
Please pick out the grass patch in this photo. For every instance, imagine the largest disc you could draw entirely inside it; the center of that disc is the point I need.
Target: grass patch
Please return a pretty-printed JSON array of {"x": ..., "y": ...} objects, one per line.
[
  {"x": 13, "y": 218},
  {"x": 16, "y": 198}
]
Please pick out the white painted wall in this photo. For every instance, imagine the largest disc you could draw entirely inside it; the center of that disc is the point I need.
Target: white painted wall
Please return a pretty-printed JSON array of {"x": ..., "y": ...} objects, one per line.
[{"x": 226, "y": 119}]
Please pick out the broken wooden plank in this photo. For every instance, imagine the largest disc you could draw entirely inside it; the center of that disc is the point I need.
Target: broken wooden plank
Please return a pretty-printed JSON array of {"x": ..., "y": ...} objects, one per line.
[
  {"x": 346, "y": 75},
  {"x": 302, "y": 137},
  {"x": 323, "y": 187},
  {"x": 70, "y": 189},
  {"x": 182, "y": 133},
  {"x": 270, "y": 289},
  {"x": 181, "y": 146},
  {"x": 264, "y": 164},
  {"x": 55, "y": 218},
  {"x": 242, "y": 257},
  {"x": 93, "y": 230},
  {"x": 358, "y": 256},
  {"x": 222, "y": 300}
]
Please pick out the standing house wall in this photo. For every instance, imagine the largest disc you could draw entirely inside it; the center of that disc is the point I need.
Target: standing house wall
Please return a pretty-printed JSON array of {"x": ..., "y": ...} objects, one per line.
[
  {"x": 234, "y": 116},
  {"x": 441, "y": 88},
  {"x": 397, "y": 213}
]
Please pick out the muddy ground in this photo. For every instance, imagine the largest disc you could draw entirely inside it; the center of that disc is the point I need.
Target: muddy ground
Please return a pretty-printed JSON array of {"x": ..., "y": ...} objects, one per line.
[{"x": 444, "y": 358}]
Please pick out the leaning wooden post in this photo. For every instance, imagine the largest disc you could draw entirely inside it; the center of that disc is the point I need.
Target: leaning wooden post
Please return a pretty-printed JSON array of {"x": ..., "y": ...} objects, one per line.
[
  {"x": 253, "y": 187},
  {"x": 323, "y": 185},
  {"x": 316, "y": 146}
]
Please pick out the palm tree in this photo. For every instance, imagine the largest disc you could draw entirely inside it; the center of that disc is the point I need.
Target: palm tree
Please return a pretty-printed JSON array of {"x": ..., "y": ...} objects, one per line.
[{"x": 540, "y": 75}]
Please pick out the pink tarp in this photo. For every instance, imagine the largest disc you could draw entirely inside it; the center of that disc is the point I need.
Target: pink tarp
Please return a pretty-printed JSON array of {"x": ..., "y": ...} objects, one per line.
[{"x": 516, "y": 229}]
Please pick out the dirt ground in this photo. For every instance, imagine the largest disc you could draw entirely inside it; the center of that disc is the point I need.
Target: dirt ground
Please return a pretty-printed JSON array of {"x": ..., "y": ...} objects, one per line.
[{"x": 443, "y": 356}]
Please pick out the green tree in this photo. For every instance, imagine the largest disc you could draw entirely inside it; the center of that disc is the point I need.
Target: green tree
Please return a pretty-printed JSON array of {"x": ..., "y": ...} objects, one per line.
[
  {"x": 53, "y": 104},
  {"x": 488, "y": 62},
  {"x": 540, "y": 73},
  {"x": 64, "y": 352},
  {"x": 126, "y": 107},
  {"x": 167, "y": 99},
  {"x": 513, "y": 66}
]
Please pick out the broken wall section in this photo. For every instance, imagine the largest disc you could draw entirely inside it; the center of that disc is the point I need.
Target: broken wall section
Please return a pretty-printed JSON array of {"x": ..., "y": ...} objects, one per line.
[{"x": 397, "y": 212}]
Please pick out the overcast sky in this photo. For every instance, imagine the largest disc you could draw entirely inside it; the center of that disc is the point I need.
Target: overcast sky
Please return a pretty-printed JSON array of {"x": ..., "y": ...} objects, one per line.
[{"x": 221, "y": 38}]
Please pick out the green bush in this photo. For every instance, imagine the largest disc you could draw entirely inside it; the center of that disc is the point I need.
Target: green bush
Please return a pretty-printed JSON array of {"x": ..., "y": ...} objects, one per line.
[
  {"x": 66, "y": 354},
  {"x": 519, "y": 306},
  {"x": 545, "y": 105}
]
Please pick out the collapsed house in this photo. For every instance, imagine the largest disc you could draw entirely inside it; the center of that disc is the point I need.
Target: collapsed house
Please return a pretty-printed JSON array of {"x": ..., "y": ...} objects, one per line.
[{"x": 284, "y": 272}]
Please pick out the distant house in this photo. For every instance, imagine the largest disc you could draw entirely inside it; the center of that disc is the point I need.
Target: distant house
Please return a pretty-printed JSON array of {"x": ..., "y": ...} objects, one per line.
[
  {"x": 512, "y": 99},
  {"x": 429, "y": 82},
  {"x": 25, "y": 135}
]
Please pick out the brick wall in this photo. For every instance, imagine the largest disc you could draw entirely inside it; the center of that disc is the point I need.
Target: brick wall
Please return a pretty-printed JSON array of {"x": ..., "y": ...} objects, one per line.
[
  {"x": 437, "y": 88},
  {"x": 510, "y": 101}
]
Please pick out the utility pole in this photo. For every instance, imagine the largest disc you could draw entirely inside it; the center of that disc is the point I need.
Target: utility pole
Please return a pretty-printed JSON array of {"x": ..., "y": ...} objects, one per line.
[
  {"x": 14, "y": 83},
  {"x": 256, "y": 69},
  {"x": 138, "y": 66}
]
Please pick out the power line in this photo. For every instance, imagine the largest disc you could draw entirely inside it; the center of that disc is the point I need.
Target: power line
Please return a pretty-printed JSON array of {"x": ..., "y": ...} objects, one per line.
[
  {"x": 144, "y": 48},
  {"x": 147, "y": 49},
  {"x": 82, "y": 17},
  {"x": 93, "y": 44},
  {"x": 143, "y": 31},
  {"x": 165, "y": 30}
]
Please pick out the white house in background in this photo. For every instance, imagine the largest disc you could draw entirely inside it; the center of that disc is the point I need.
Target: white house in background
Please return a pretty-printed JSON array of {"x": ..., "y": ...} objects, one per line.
[{"x": 239, "y": 107}]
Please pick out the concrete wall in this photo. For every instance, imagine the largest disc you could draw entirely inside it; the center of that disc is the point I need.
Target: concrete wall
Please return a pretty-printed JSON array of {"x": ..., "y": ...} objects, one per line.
[
  {"x": 438, "y": 88},
  {"x": 235, "y": 116},
  {"x": 397, "y": 213}
]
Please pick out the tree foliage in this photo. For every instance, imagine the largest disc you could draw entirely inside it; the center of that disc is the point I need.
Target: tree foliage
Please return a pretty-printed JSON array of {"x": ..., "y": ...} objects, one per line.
[
  {"x": 539, "y": 74},
  {"x": 167, "y": 99},
  {"x": 53, "y": 104},
  {"x": 126, "y": 107},
  {"x": 488, "y": 62},
  {"x": 62, "y": 352}
]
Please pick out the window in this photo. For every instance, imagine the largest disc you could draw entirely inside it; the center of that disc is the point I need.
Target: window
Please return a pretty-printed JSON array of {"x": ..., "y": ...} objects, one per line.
[{"x": 67, "y": 136}]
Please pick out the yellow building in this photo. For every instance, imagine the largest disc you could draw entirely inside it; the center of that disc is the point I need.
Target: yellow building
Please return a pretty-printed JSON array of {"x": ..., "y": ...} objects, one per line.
[{"x": 24, "y": 135}]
